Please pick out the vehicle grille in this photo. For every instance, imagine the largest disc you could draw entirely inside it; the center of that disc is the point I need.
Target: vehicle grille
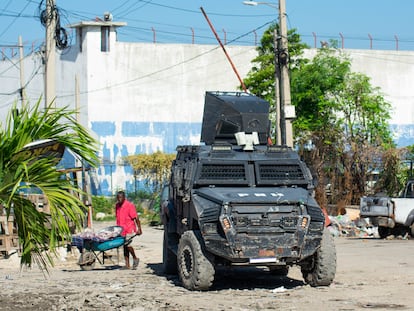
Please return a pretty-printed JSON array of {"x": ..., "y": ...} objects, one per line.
[
  {"x": 315, "y": 213},
  {"x": 223, "y": 172},
  {"x": 280, "y": 172},
  {"x": 210, "y": 214},
  {"x": 255, "y": 219}
]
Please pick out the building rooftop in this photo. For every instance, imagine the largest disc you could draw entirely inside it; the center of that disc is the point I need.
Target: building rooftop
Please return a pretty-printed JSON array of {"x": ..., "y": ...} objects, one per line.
[{"x": 97, "y": 23}]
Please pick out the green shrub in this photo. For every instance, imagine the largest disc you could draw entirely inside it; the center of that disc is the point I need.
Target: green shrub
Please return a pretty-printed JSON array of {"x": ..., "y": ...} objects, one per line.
[
  {"x": 149, "y": 216},
  {"x": 103, "y": 204},
  {"x": 139, "y": 195}
]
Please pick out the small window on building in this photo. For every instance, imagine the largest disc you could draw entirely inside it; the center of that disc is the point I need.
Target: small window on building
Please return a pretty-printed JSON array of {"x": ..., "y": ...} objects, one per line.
[
  {"x": 105, "y": 39},
  {"x": 79, "y": 38}
]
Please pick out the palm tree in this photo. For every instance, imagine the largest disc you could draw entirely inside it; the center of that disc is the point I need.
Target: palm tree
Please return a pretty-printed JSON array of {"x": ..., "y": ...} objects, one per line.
[{"x": 39, "y": 234}]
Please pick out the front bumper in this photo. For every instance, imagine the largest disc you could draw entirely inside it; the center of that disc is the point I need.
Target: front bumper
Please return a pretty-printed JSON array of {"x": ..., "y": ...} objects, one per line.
[{"x": 264, "y": 249}]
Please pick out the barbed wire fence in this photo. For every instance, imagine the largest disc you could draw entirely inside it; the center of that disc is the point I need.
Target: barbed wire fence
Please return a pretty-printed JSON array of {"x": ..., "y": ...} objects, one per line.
[{"x": 313, "y": 39}]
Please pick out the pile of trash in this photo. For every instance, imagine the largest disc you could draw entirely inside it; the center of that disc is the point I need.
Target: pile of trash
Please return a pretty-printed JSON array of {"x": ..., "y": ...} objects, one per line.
[
  {"x": 344, "y": 226},
  {"x": 350, "y": 224}
]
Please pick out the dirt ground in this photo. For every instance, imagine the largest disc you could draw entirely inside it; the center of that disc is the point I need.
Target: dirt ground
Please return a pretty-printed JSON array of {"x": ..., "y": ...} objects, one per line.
[{"x": 371, "y": 274}]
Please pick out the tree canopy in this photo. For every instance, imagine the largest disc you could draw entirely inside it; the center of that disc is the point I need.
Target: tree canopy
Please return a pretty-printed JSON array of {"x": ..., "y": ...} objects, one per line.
[
  {"x": 261, "y": 78},
  {"x": 153, "y": 168},
  {"x": 342, "y": 120},
  {"x": 341, "y": 127}
]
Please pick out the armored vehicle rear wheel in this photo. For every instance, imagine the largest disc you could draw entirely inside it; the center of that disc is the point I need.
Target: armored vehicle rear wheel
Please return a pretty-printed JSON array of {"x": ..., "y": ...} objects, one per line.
[
  {"x": 321, "y": 269},
  {"x": 169, "y": 259},
  {"x": 196, "y": 272}
]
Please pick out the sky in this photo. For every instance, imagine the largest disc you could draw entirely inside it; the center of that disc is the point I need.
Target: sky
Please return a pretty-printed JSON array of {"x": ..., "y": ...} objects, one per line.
[{"x": 388, "y": 23}]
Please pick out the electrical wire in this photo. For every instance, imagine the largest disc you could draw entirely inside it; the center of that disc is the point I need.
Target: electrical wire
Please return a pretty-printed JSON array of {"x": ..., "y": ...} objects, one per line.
[
  {"x": 193, "y": 69},
  {"x": 124, "y": 30},
  {"x": 11, "y": 61},
  {"x": 14, "y": 20},
  {"x": 15, "y": 14},
  {"x": 7, "y": 5},
  {"x": 166, "y": 68},
  {"x": 210, "y": 13},
  {"x": 29, "y": 80},
  {"x": 130, "y": 9},
  {"x": 61, "y": 35},
  {"x": 127, "y": 6},
  {"x": 120, "y": 6}
]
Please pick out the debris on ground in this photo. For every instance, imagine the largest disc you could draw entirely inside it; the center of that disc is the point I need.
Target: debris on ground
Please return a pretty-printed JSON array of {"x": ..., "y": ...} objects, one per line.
[
  {"x": 351, "y": 225},
  {"x": 342, "y": 225},
  {"x": 280, "y": 289}
]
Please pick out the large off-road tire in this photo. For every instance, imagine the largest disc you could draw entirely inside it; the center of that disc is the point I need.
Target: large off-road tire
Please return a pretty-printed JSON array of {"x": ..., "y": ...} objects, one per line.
[
  {"x": 195, "y": 270},
  {"x": 169, "y": 258},
  {"x": 279, "y": 270},
  {"x": 412, "y": 230},
  {"x": 322, "y": 268},
  {"x": 383, "y": 232}
]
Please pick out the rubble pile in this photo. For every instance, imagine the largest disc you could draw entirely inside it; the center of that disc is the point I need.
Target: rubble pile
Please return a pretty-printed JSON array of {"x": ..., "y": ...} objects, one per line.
[
  {"x": 350, "y": 224},
  {"x": 344, "y": 226}
]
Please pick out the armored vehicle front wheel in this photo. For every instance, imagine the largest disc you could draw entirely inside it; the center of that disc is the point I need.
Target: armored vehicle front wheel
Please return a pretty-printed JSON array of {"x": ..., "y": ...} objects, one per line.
[
  {"x": 195, "y": 270},
  {"x": 321, "y": 268},
  {"x": 279, "y": 271},
  {"x": 169, "y": 258}
]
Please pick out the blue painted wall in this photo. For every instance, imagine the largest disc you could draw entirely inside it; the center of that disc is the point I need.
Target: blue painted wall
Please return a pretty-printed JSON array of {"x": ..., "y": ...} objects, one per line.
[{"x": 171, "y": 134}]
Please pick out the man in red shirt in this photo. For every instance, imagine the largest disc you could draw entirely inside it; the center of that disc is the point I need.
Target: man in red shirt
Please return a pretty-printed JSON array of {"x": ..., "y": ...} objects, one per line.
[{"x": 127, "y": 218}]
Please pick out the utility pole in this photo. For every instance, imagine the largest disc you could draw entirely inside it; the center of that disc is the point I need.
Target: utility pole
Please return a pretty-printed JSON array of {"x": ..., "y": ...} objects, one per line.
[
  {"x": 21, "y": 62},
  {"x": 278, "y": 137},
  {"x": 284, "y": 111},
  {"x": 287, "y": 111},
  {"x": 50, "y": 53}
]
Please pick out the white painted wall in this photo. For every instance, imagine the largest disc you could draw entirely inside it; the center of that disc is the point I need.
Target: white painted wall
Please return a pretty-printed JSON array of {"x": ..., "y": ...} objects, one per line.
[
  {"x": 393, "y": 73},
  {"x": 10, "y": 81},
  {"x": 143, "y": 97}
]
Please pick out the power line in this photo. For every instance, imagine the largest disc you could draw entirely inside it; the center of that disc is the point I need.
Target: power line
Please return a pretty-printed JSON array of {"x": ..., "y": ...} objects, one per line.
[
  {"x": 29, "y": 80},
  {"x": 7, "y": 5},
  {"x": 129, "y": 10},
  {"x": 11, "y": 61},
  {"x": 13, "y": 65},
  {"x": 120, "y": 6},
  {"x": 210, "y": 13},
  {"x": 193, "y": 68},
  {"x": 88, "y": 15},
  {"x": 164, "y": 69},
  {"x": 17, "y": 15},
  {"x": 14, "y": 20}
]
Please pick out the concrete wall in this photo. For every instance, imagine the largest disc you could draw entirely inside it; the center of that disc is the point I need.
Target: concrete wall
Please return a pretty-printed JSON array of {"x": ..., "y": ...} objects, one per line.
[
  {"x": 144, "y": 97},
  {"x": 10, "y": 81},
  {"x": 393, "y": 72}
]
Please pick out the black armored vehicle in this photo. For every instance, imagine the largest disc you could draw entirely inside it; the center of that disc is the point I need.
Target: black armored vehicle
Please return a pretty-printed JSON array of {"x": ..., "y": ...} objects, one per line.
[{"x": 238, "y": 200}]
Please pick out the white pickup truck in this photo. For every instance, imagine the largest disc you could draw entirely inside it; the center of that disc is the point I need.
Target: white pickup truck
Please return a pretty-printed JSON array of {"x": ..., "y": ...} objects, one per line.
[{"x": 391, "y": 215}]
